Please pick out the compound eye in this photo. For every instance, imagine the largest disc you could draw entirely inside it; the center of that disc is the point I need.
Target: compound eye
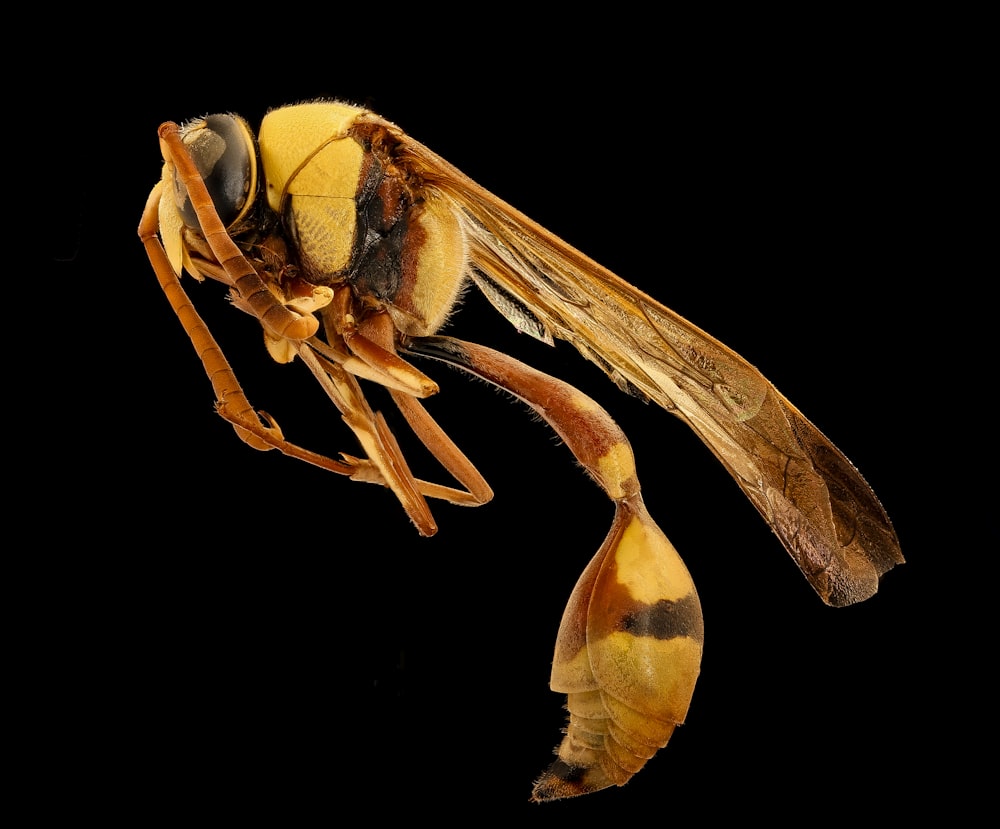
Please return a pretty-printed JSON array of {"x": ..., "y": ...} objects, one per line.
[{"x": 223, "y": 149}]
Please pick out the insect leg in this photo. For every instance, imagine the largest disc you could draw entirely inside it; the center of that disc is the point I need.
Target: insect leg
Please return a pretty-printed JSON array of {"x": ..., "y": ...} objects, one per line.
[
  {"x": 233, "y": 405},
  {"x": 371, "y": 341},
  {"x": 378, "y": 334},
  {"x": 337, "y": 367},
  {"x": 477, "y": 491},
  {"x": 629, "y": 647},
  {"x": 232, "y": 402},
  {"x": 374, "y": 435}
]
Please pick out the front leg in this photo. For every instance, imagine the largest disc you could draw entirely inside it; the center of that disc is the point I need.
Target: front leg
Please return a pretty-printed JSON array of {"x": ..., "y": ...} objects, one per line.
[{"x": 231, "y": 401}]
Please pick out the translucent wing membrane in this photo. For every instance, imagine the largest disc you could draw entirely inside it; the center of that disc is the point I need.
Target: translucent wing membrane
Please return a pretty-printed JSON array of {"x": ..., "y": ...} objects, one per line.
[{"x": 816, "y": 502}]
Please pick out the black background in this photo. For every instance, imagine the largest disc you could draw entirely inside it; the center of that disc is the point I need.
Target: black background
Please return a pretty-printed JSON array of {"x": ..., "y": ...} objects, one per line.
[{"x": 241, "y": 631}]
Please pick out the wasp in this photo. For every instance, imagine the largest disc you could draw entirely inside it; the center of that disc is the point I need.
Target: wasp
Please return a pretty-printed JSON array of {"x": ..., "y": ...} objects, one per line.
[{"x": 351, "y": 243}]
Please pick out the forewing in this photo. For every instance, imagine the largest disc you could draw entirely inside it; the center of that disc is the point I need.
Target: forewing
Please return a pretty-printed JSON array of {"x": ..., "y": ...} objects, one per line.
[{"x": 816, "y": 502}]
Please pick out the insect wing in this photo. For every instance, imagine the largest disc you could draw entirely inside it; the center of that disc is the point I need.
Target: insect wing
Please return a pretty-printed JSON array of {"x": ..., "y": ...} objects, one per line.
[{"x": 816, "y": 502}]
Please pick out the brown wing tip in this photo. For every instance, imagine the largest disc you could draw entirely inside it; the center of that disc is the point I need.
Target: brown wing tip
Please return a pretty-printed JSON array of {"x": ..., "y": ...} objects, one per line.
[
  {"x": 855, "y": 574},
  {"x": 843, "y": 561}
]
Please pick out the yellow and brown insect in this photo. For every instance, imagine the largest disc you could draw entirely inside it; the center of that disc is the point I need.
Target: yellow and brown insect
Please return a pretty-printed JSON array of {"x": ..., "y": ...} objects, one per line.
[{"x": 350, "y": 242}]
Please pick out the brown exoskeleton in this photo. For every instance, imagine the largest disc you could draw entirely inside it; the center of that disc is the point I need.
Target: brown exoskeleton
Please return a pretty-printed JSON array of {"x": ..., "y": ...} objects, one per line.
[{"x": 350, "y": 243}]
